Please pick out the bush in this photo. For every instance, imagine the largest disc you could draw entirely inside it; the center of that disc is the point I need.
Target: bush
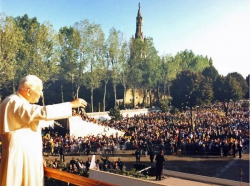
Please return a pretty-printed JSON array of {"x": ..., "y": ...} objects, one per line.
[
  {"x": 163, "y": 105},
  {"x": 115, "y": 114}
]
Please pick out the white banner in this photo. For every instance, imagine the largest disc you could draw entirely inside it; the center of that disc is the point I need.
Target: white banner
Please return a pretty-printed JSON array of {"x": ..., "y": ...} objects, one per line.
[
  {"x": 92, "y": 164},
  {"x": 81, "y": 128}
]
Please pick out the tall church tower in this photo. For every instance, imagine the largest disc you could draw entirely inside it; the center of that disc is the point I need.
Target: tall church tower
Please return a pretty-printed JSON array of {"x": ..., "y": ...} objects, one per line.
[{"x": 139, "y": 20}]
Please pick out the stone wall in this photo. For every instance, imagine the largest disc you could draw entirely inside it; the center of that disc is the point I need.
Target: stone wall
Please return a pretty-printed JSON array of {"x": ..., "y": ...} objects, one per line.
[{"x": 126, "y": 113}]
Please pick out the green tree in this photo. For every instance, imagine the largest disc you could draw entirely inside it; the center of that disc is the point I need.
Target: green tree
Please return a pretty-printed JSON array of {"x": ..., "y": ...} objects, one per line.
[
  {"x": 210, "y": 72},
  {"x": 227, "y": 89},
  {"x": 242, "y": 82},
  {"x": 85, "y": 29},
  {"x": 115, "y": 114},
  {"x": 46, "y": 61},
  {"x": 205, "y": 91},
  {"x": 187, "y": 60},
  {"x": 165, "y": 78},
  {"x": 27, "y": 55},
  {"x": 11, "y": 37},
  {"x": 105, "y": 75},
  {"x": 184, "y": 91},
  {"x": 135, "y": 63},
  {"x": 195, "y": 63},
  {"x": 150, "y": 69},
  {"x": 95, "y": 52},
  {"x": 235, "y": 91},
  {"x": 171, "y": 69},
  {"x": 113, "y": 53},
  {"x": 70, "y": 40},
  {"x": 124, "y": 70},
  {"x": 37, "y": 54}
]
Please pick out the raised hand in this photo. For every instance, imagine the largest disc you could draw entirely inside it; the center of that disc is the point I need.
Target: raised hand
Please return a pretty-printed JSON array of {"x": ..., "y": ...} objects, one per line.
[{"x": 78, "y": 102}]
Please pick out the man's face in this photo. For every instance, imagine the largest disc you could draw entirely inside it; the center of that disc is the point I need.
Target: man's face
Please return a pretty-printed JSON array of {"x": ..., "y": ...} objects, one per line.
[{"x": 36, "y": 94}]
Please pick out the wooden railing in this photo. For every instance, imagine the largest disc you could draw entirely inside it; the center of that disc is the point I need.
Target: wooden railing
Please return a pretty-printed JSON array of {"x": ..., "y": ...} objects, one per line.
[{"x": 73, "y": 178}]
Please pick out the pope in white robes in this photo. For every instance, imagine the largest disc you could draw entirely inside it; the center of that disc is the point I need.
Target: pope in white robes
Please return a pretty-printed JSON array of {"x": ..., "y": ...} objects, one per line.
[{"x": 22, "y": 160}]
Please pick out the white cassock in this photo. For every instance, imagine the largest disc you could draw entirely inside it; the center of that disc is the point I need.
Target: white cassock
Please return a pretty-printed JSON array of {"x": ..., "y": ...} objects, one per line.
[{"x": 22, "y": 160}]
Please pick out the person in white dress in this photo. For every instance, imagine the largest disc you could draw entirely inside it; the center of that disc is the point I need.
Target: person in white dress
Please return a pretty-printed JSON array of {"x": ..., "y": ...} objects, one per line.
[{"x": 20, "y": 117}]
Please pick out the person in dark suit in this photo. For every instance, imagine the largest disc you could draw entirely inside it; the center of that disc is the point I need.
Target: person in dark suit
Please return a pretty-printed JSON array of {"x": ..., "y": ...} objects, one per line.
[
  {"x": 120, "y": 164},
  {"x": 225, "y": 148},
  {"x": 234, "y": 148},
  {"x": 137, "y": 155},
  {"x": 72, "y": 161},
  {"x": 159, "y": 164},
  {"x": 88, "y": 146},
  {"x": 151, "y": 155},
  {"x": 87, "y": 163},
  {"x": 62, "y": 153},
  {"x": 106, "y": 163}
]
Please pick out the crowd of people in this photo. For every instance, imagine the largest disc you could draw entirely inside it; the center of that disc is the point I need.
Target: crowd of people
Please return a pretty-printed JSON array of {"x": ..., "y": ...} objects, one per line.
[
  {"x": 78, "y": 166},
  {"x": 213, "y": 133}
]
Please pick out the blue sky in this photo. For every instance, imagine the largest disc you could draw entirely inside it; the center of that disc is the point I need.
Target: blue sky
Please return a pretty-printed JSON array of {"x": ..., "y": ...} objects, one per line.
[{"x": 219, "y": 29}]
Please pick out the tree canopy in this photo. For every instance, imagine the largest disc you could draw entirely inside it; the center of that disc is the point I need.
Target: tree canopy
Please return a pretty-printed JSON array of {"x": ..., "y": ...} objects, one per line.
[{"x": 80, "y": 60}]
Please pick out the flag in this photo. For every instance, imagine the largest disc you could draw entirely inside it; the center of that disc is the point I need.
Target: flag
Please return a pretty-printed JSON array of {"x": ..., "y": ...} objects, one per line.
[{"x": 92, "y": 163}]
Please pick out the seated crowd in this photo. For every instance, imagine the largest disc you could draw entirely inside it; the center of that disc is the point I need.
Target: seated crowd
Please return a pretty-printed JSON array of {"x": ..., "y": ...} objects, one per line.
[{"x": 78, "y": 166}]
